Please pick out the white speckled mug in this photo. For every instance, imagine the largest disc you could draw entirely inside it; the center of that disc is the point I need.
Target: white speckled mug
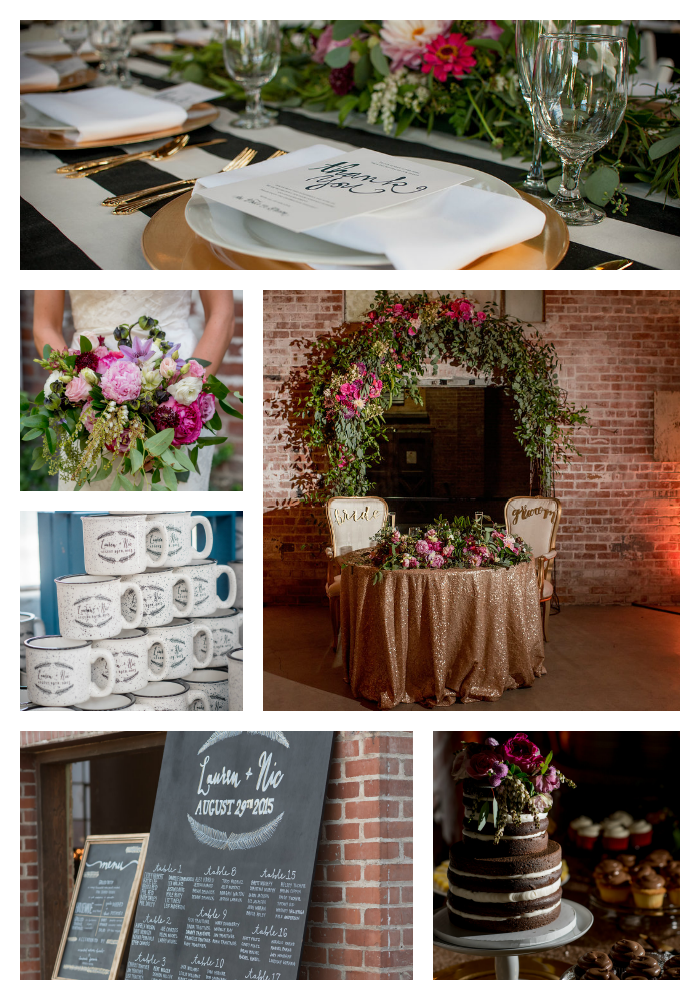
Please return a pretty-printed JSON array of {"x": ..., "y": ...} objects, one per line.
[
  {"x": 130, "y": 650},
  {"x": 171, "y": 696},
  {"x": 225, "y": 625},
  {"x": 26, "y": 631},
  {"x": 112, "y": 703},
  {"x": 173, "y": 654},
  {"x": 179, "y": 523},
  {"x": 234, "y": 659},
  {"x": 59, "y": 671},
  {"x": 118, "y": 544},
  {"x": 204, "y": 573},
  {"x": 215, "y": 683},
  {"x": 90, "y": 607},
  {"x": 158, "y": 588}
]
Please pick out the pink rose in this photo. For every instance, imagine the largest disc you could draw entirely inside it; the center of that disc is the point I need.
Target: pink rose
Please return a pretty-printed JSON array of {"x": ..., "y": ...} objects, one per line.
[
  {"x": 78, "y": 389},
  {"x": 196, "y": 369},
  {"x": 107, "y": 360},
  {"x": 207, "y": 405},
  {"x": 520, "y": 750},
  {"x": 168, "y": 367},
  {"x": 481, "y": 316},
  {"x": 122, "y": 381},
  {"x": 100, "y": 352},
  {"x": 487, "y": 765},
  {"x": 189, "y": 422}
]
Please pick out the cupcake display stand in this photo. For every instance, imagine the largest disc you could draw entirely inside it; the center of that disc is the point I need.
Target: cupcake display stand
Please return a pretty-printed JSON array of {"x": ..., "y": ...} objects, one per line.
[
  {"x": 506, "y": 948},
  {"x": 630, "y": 917}
]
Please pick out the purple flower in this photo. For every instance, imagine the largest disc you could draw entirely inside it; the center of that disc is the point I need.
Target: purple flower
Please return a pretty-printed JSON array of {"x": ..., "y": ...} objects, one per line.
[
  {"x": 487, "y": 765},
  {"x": 491, "y": 742},
  {"x": 546, "y": 782},
  {"x": 520, "y": 750},
  {"x": 142, "y": 350}
]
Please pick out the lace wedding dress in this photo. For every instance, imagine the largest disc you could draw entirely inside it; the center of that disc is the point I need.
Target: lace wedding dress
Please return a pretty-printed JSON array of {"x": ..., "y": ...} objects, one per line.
[{"x": 100, "y": 312}]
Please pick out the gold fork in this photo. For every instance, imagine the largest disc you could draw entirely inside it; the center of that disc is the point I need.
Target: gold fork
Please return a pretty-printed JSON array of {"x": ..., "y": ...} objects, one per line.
[
  {"x": 128, "y": 204},
  {"x": 88, "y": 167}
]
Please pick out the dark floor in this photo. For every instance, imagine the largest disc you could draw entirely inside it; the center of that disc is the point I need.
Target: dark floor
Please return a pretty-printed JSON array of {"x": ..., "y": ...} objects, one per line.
[{"x": 608, "y": 658}]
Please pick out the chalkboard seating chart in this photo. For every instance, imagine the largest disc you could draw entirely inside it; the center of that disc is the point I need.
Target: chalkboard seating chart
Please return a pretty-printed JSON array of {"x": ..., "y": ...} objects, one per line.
[
  {"x": 103, "y": 903},
  {"x": 231, "y": 858}
]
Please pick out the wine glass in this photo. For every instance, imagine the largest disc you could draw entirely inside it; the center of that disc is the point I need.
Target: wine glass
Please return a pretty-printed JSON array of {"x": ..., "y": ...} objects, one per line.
[
  {"x": 579, "y": 90},
  {"x": 112, "y": 40},
  {"x": 73, "y": 34},
  {"x": 526, "y": 36},
  {"x": 252, "y": 57}
]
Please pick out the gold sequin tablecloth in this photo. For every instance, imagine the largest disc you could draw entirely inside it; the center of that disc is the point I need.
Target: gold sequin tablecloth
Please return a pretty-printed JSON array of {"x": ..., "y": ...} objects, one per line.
[{"x": 438, "y": 636}]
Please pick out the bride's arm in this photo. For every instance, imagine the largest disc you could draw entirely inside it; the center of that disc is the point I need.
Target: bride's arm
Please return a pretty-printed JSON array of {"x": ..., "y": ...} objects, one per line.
[
  {"x": 218, "y": 328},
  {"x": 48, "y": 320}
]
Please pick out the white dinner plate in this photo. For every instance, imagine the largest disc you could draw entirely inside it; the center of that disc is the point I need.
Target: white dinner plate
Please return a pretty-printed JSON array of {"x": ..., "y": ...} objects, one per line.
[{"x": 234, "y": 230}]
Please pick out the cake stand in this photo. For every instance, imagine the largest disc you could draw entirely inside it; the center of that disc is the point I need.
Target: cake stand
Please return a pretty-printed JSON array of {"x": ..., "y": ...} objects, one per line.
[{"x": 574, "y": 921}]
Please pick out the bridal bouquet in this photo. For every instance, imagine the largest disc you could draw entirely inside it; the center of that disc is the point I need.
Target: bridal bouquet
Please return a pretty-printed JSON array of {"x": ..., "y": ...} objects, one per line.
[{"x": 136, "y": 409}]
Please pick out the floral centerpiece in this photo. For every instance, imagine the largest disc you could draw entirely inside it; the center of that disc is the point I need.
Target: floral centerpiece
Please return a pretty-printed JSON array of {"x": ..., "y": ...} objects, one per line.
[
  {"x": 137, "y": 409},
  {"x": 460, "y": 544},
  {"x": 520, "y": 777}
]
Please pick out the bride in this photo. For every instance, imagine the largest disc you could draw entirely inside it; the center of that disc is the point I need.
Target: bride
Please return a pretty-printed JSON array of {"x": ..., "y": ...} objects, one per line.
[{"x": 100, "y": 312}]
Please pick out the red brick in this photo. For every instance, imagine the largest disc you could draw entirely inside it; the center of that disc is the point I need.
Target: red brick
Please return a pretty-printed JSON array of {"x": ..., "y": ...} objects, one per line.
[{"x": 345, "y": 956}]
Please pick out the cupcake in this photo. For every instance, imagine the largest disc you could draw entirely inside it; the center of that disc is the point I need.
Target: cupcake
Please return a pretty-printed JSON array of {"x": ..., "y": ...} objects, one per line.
[
  {"x": 592, "y": 960},
  {"x": 640, "y": 833},
  {"x": 586, "y": 836},
  {"x": 575, "y": 824},
  {"x": 622, "y": 953},
  {"x": 615, "y": 837},
  {"x": 674, "y": 962},
  {"x": 641, "y": 869},
  {"x": 627, "y": 860},
  {"x": 607, "y": 867},
  {"x": 672, "y": 874},
  {"x": 599, "y": 974},
  {"x": 647, "y": 967},
  {"x": 649, "y": 891},
  {"x": 659, "y": 859},
  {"x": 620, "y": 817},
  {"x": 674, "y": 973},
  {"x": 613, "y": 887}
]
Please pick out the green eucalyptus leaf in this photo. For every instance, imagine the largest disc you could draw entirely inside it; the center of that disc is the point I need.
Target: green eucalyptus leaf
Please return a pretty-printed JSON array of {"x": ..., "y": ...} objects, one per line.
[
  {"x": 379, "y": 61},
  {"x": 169, "y": 478},
  {"x": 666, "y": 145},
  {"x": 337, "y": 58},
  {"x": 157, "y": 444},
  {"x": 600, "y": 186},
  {"x": 343, "y": 29},
  {"x": 136, "y": 459},
  {"x": 51, "y": 440},
  {"x": 230, "y": 409},
  {"x": 46, "y": 351}
]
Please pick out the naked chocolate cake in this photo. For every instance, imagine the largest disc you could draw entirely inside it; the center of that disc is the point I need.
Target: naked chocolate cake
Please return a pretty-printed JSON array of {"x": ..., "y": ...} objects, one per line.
[{"x": 505, "y": 875}]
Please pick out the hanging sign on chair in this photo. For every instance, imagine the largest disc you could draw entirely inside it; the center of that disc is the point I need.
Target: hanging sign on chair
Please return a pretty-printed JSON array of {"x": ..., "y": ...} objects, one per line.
[{"x": 229, "y": 868}]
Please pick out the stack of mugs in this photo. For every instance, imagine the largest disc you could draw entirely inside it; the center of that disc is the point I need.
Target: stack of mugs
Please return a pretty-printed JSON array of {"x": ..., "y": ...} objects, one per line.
[{"x": 143, "y": 627}]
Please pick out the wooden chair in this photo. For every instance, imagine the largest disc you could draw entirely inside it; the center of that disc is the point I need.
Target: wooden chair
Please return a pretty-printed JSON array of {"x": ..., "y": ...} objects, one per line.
[
  {"x": 352, "y": 522},
  {"x": 536, "y": 520}
]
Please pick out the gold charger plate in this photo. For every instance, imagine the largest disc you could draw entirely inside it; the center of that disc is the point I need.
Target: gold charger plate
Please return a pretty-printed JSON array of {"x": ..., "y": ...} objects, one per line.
[
  {"x": 40, "y": 139},
  {"x": 169, "y": 244},
  {"x": 78, "y": 79}
]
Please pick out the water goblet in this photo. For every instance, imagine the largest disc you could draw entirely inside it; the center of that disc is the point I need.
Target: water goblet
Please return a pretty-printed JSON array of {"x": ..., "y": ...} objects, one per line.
[
  {"x": 73, "y": 34},
  {"x": 112, "y": 40},
  {"x": 526, "y": 35},
  {"x": 579, "y": 90},
  {"x": 252, "y": 57}
]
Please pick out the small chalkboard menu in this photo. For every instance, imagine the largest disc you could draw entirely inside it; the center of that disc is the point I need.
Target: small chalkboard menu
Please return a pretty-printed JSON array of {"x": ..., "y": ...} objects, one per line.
[
  {"x": 231, "y": 857},
  {"x": 102, "y": 907}
]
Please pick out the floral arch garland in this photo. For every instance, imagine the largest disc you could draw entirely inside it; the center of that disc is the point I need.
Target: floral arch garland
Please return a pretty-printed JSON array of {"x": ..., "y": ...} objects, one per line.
[{"x": 354, "y": 375}]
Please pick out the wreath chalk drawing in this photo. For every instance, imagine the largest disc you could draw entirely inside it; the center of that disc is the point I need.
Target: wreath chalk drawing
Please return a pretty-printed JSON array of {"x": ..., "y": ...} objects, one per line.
[{"x": 236, "y": 841}]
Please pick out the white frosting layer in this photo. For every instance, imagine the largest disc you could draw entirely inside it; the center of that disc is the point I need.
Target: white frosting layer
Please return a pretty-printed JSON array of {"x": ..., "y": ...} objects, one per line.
[
  {"x": 515, "y": 916},
  {"x": 505, "y": 897},
  {"x": 525, "y": 818},
  {"x": 487, "y": 836},
  {"x": 549, "y": 871}
]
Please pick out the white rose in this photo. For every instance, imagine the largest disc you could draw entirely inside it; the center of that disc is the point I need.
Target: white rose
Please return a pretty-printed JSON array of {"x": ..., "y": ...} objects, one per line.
[{"x": 186, "y": 390}]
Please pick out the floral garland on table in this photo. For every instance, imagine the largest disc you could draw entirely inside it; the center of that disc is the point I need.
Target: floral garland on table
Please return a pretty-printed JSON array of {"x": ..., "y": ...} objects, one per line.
[
  {"x": 461, "y": 544},
  {"x": 139, "y": 404},
  {"x": 353, "y": 377},
  {"x": 521, "y": 779},
  {"x": 457, "y": 76}
]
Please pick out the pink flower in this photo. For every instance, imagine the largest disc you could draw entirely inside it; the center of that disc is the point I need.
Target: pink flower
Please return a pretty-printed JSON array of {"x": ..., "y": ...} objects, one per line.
[
  {"x": 398, "y": 368},
  {"x": 404, "y": 42},
  {"x": 406, "y": 561},
  {"x": 520, "y": 750},
  {"x": 396, "y": 536},
  {"x": 196, "y": 369},
  {"x": 398, "y": 309},
  {"x": 481, "y": 316},
  {"x": 122, "y": 381},
  {"x": 189, "y": 422},
  {"x": 107, "y": 360},
  {"x": 487, "y": 765},
  {"x": 422, "y": 547},
  {"x": 325, "y": 44},
  {"x": 546, "y": 782},
  {"x": 435, "y": 546},
  {"x": 413, "y": 563},
  {"x": 167, "y": 367},
  {"x": 207, "y": 405},
  {"x": 473, "y": 559},
  {"x": 101, "y": 351},
  {"x": 435, "y": 560},
  {"x": 492, "y": 30},
  {"x": 449, "y": 55},
  {"x": 78, "y": 389},
  {"x": 88, "y": 418},
  {"x": 448, "y": 551}
]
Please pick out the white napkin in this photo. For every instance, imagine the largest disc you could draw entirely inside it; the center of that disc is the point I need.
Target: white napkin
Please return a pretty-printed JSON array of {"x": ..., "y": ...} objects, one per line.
[
  {"x": 194, "y": 36},
  {"x": 107, "y": 112},
  {"x": 38, "y": 74},
  {"x": 444, "y": 231}
]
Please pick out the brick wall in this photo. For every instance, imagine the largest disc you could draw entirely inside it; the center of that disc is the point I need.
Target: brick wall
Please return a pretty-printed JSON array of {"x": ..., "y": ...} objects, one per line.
[
  {"x": 30, "y": 964},
  {"x": 361, "y": 916},
  {"x": 619, "y": 539}
]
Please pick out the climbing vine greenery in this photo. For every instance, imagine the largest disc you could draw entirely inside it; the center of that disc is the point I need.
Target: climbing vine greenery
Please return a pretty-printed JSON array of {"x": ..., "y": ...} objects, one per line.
[{"x": 354, "y": 376}]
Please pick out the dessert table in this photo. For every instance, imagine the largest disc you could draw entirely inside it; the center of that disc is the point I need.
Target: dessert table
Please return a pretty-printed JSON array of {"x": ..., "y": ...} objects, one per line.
[
  {"x": 64, "y": 226},
  {"x": 438, "y": 636}
]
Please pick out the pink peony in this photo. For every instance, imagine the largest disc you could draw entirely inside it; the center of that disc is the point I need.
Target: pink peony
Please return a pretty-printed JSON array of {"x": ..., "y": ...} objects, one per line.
[
  {"x": 449, "y": 55},
  {"x": 196, "y": 369},
  {"x": 190, "y": 422},
  {"x": 207, "y": 405},
  {"x": 435, "y": 560},
  {"x": 520, "y": 750},
  {"x": 122, "y": 381},
  {"x": 106, "y": 361},
  {"x": 404, "y": 42},
  {"x": 78, "y": 389},
  {"x": 546, "y": 782},
  {"x": 422, "y": 547}
]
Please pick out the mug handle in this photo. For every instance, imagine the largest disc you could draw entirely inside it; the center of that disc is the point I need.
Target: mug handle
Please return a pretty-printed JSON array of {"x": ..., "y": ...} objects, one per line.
[
  {"x": 131, "y": 585},
  {"x": 193, "y": 695},
  {"x": 231, "y": 587},
  {"x": 162, "y": 528},
  {"x": 152, "y": 675},
  {"x": 210, "y": 646},
  {"x": 189, "y": 587},
  {"x": 103, "y": 654},
  {"x": 208, "y": 536}
]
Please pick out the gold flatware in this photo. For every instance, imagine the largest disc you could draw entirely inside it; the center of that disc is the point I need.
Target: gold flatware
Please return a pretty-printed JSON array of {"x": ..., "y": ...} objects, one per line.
[
  {"x": 613, "y": 265},
  {"x": 76, "y": 168},
  {"x": 242, "y": 160}
]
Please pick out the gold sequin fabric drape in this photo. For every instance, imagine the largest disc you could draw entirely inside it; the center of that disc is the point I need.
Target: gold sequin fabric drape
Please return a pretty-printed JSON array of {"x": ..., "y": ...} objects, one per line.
[{"x": 439, "y": 636}]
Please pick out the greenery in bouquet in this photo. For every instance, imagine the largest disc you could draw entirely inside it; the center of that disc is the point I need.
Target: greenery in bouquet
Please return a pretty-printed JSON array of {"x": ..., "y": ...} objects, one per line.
[
  {"x": 459, "y": 544},
  {"x": 454, "y": 76},
  {"x": 521, "y": 780},
  {"x": 140, "y": 410},
  {"x": 354, "y": 376}
]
